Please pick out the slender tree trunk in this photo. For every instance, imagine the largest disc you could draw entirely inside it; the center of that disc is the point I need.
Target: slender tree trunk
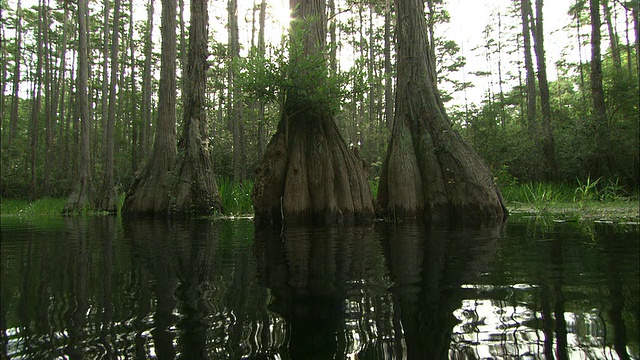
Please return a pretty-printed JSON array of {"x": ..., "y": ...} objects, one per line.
[
  {"x": 3, "y": 76},
  {"x": 388, "y": 69},
  {"x": 578, "y": 15},
  {"x": 15, "y": 100},
  {"x": 134, "y": 116},
  {"x": 525, "y": 8},
  {"x": 195, "y": 191},
  {"x": 37, "y": 104},
  {"x": 429, "y": 171},
  {"x": 183, "y": 47},
  {"x": 333, "y": 46},
  {"x": 235, "y": 102},
  {"x": 149, "y": 192},
  {"x": 145, "y": 132},
  {"x": 49, "y": 108},
  {"x": 500, "y": 80},
  {"x": 548, "y": 148},
  {"x": 628, "y": 41},
  {"x": 59, "y": 93},
  {"x": 308, "y": 173},
  {"x": 636, "y": 18},
  {"x": 108, "y": 197},
  {"x": 80, "y": 194},
  {"x": 603, "y": 165},
  {"x": 261, "y": 106},
  {"x": 104, "y": 94},
  {"x": 371, "y": 72},
  {"x": 613, "y": 36}
]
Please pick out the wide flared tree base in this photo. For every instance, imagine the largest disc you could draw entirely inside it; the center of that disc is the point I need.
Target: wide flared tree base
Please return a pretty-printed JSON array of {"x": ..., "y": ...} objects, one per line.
[{"x": 308, "y": 176}]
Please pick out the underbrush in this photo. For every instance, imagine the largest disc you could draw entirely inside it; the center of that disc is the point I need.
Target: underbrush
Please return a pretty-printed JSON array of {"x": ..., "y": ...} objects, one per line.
[
  {"x": 235, "y": 196},
  {"x": 43, "y": 207},
  {"x": 585, "y": 199},
  {"x": 589, "y": 198}
]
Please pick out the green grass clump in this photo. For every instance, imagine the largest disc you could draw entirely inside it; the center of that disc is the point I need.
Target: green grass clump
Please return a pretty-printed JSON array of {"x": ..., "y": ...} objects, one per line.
[
  {"x": 41, "y": 207},
  {"x": 236, "y": 196},
  {"x": 588, "y": 199}
]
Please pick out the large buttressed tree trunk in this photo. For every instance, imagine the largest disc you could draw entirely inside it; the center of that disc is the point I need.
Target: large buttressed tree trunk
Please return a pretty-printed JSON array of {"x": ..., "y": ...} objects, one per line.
[
  {"x": 429, "y": 170},
  {"x": 149, "y": 192},
  {"x": 308, "y": 174},
  {"x": 196, "y": 191}
]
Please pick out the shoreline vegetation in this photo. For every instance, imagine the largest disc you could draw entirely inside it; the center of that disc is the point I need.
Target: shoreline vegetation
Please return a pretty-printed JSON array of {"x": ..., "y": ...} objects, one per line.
[{"x": 590, "y": 200}]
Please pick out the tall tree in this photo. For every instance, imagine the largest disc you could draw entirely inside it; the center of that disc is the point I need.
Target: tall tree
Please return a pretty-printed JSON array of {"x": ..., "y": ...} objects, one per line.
[
  {"x": 49, "y": 108},
  {"x": 37, "y": 102},
  {"x": 526, "y": 12},
  {"x": 234, "y": 98},
  {"x": 149, "y": 192},
  {"x": 81, "y": 192},
  {"x": 308, "y": 173},
  {"x": 429, "y": 170},
  {"x": 105, "y": 72},
  {"x": 108, "y": 196},
  {"x": 15, "y": 99},
  {"x": 195, "y": 191},
  {"x": 261, "y": 106},
  {"x": 546, "y": 133},
  {"x": 603, "y": 159},
  {"x": 145, "y": 132},
  {"x": 3, "y": 65},
  {"x": 388, "y": 69},
  {"x": 59, "y": 90},
  {"x": 613, "y": 36}
]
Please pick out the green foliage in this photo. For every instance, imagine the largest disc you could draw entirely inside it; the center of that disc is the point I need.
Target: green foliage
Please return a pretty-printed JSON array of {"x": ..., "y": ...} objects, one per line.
[
  {"x": 293, "y": 77},
  {"x": 41, "y": 207},
  {"x": 236, "y": 196},
  {"x": 586, "y": 191},
  {"x": 373, "y": 183},
  {"x": 502, "y": 136}
]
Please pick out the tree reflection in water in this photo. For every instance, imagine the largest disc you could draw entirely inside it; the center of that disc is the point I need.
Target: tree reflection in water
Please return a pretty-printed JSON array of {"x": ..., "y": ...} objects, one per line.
[
  {"x": 330, "y": 286},
  {"x": 102, "y": 288}
]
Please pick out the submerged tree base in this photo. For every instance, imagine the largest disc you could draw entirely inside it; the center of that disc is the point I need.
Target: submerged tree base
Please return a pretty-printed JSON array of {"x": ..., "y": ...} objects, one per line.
[{"x": 308, "y": 175}]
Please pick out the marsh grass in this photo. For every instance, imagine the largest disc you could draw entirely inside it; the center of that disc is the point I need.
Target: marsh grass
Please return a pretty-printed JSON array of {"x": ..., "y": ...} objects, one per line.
[
  {"x": 587, "y": 200},
  {"x": 235, "y": 196},
  {"x": 42, "y": 207}
]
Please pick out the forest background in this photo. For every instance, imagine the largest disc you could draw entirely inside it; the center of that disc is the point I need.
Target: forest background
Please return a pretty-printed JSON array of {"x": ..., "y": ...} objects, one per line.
[{"x": 525, "y": 132}]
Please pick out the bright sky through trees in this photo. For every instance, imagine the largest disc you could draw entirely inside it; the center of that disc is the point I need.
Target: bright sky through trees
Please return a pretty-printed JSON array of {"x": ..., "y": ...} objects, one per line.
[{"x": 469, "y": 18}]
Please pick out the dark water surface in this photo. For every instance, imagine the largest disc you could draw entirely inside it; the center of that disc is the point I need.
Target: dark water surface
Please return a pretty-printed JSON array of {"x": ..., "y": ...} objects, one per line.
[{"x": 107, "y": 288}]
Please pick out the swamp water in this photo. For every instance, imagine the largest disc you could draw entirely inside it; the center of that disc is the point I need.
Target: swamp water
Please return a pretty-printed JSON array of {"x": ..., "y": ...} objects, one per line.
[{"x": 105, "y": 288}]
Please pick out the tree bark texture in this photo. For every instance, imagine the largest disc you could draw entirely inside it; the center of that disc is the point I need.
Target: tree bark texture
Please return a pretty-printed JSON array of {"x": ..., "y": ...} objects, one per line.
[
  {"x": 108, "y": 195},
  {"x": 308, "y": 174},
  {"x": 81, "y": 192},
  {"x": 429, "y": 171},
  {"x": 149, "y": 192},
  {"x": 196, "y": 191}
]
